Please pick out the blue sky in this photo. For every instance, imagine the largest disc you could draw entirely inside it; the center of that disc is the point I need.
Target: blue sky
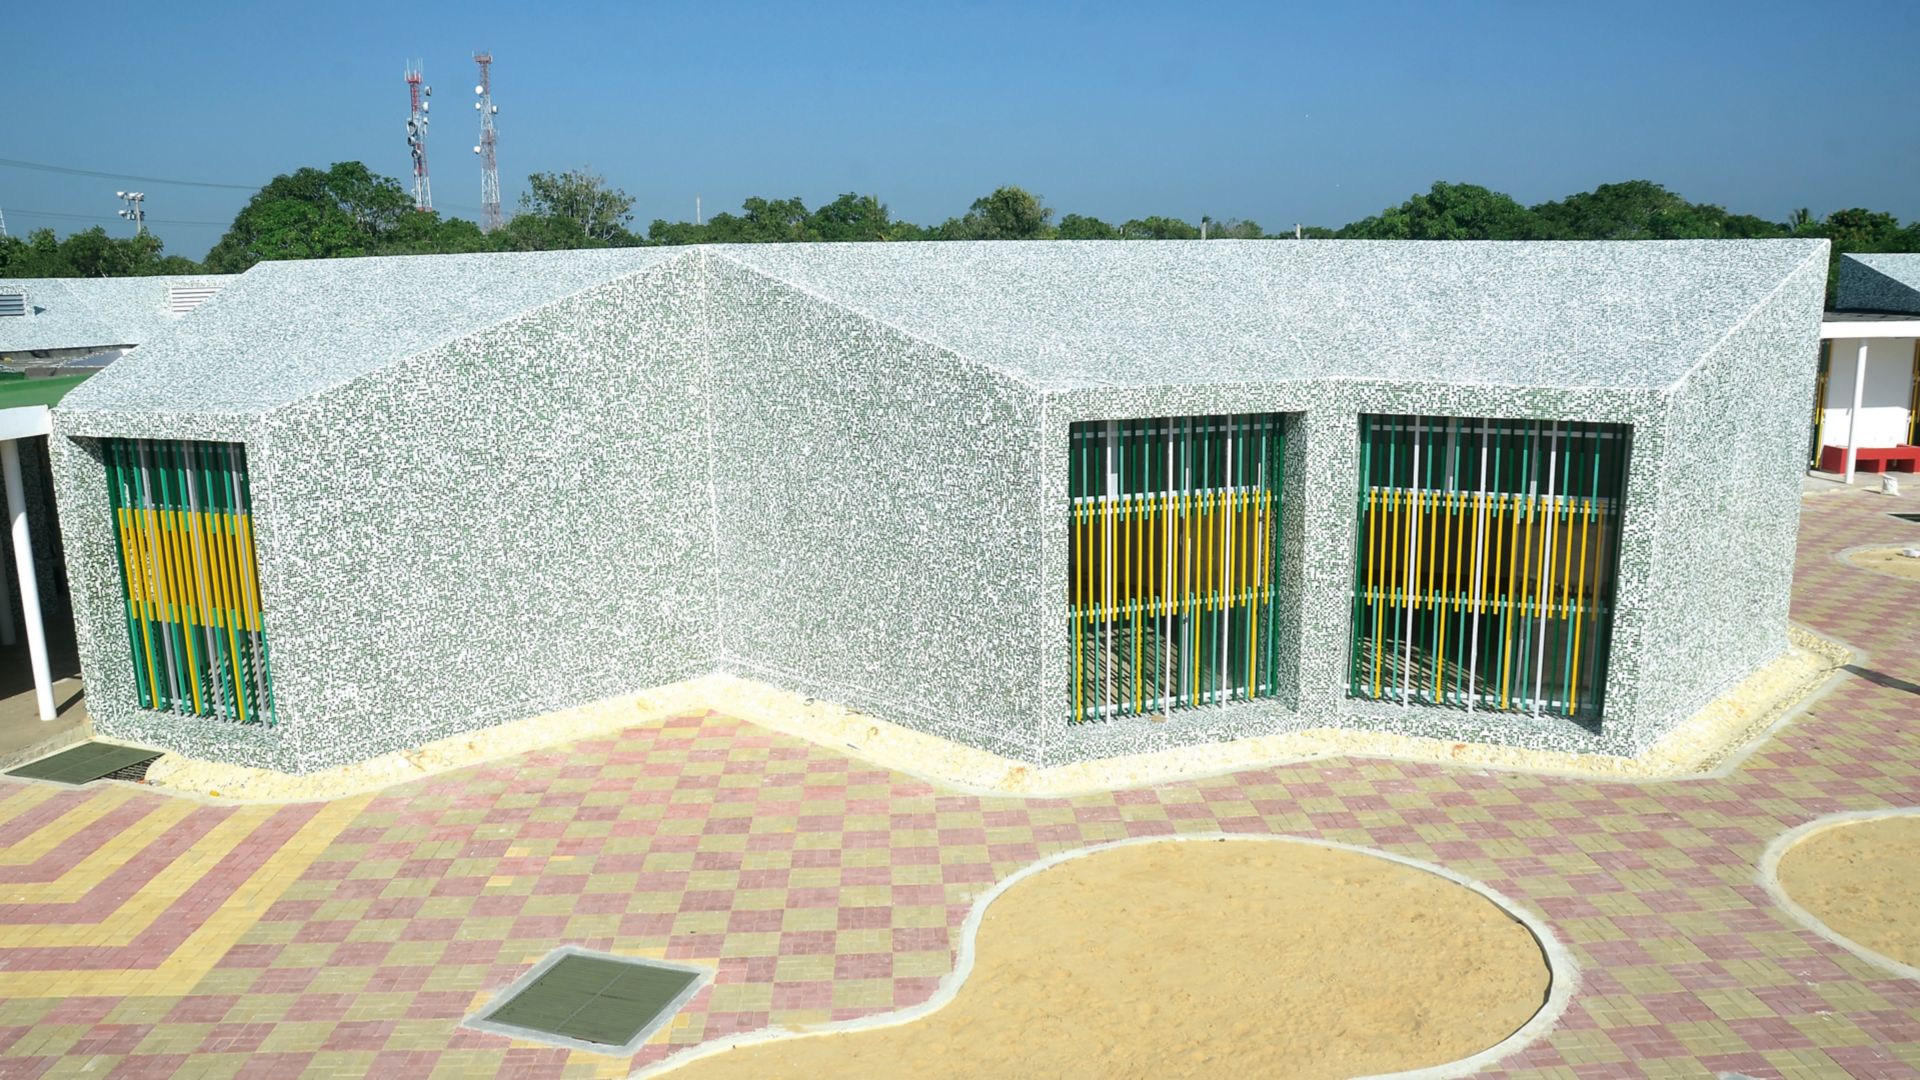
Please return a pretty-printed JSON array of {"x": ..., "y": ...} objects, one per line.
[{"x": 1318, "y": 113}]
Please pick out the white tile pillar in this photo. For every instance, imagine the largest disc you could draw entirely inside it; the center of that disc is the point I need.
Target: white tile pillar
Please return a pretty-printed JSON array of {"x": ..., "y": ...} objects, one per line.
[{"x": 1853, "y": 416}]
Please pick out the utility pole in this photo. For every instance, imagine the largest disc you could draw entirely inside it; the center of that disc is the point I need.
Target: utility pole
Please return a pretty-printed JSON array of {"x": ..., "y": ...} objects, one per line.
[
  {"x": 135, "y": 210},
  {"x": 696, "y": 209},
  {"x": 489, "y": 168}
]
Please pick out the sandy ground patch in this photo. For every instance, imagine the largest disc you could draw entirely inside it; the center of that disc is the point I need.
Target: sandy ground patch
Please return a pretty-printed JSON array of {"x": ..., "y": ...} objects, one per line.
[
  {"x": 1204, "y": 959},
  {"x": 1859, "y": 879},
  {"x": 1888, "y": 561}
]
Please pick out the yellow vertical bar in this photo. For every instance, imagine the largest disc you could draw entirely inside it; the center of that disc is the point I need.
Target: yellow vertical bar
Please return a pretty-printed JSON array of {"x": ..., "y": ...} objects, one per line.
[
  {"x": 1190, "y": 510},
  {"x": 1444, "y": 505},
  {"x": 1373, "y": 571},
  {"x": 229, "y": 609},
  {"x": 1574, "y": 681},
  {"x": 1256, "y": 539},
  {"x": 251, "y": 575},
  {"x": 1507, "y": 602},
  {"x": 1397, "y": 580},
  {"x": 183, "y": 603},
  {"x": 1135, "y": 517},
  {"x": 137, "y": 592}
]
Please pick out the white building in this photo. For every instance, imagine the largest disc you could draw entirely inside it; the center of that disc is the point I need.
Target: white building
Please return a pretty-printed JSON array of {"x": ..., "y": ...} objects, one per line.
[{"x": 1867, "y": 399}]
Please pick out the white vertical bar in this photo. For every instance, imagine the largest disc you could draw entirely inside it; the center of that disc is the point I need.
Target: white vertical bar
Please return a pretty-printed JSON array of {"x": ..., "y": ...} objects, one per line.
[
  {"x": 1106, "y": 521},
  {"x": 1479, "y": 576},
  {"x": 1544, "y": 597},
  {"x": 29, "y": 584},
  {"x": 1413, "y": 557},
  {"x": 1853, "y": 415}
]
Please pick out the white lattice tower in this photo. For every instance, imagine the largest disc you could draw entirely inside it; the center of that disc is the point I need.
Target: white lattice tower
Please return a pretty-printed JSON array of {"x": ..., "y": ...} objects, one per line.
[{"x": 489, "y": 167}]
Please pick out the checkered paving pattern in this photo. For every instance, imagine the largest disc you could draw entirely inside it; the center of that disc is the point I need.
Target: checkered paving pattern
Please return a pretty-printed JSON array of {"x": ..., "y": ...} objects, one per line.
[{"x": 147, "y": 936}]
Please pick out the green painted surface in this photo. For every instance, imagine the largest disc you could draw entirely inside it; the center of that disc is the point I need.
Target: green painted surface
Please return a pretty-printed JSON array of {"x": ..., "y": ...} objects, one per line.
[
  {"x": 15, "y": 393},
  {"x": 593, "y": 999},
  {"x": 84, "y": 763}
]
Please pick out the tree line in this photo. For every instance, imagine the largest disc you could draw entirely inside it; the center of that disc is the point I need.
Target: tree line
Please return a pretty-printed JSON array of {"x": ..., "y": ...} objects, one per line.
[{"x": 348, "y": 210}]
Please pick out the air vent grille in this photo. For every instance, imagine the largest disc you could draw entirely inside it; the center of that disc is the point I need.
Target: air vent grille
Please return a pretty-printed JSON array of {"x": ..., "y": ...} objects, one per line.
[
  {"x": 184, "y": 298},
  {"x": 13, "y": 303}
]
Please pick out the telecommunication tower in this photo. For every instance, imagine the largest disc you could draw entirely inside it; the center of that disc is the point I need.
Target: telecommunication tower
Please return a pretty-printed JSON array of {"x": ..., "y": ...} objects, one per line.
[
  {"x": 489, "y": 168},
  {"x": 418, "y": 100}
]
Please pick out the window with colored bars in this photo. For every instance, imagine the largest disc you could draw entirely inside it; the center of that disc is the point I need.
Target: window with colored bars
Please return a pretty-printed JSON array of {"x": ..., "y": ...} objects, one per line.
[
  {"x": 1171, "y": 562},
  {"x": 184, "y": 526},
  {"x": 1484, "y": 570}
]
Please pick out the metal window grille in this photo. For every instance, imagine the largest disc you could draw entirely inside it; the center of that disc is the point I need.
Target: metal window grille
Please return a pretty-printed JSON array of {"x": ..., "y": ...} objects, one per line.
[
  {"x": 1820, "y": 401},
  {"x": 1171, "y": 562},
  {"x": 184, "y": 529},
  {"x": 1484, "y": 570}
]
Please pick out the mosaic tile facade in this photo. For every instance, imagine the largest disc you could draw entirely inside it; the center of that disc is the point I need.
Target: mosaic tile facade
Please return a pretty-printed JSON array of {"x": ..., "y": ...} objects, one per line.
[{"x": 546, "y": 479}]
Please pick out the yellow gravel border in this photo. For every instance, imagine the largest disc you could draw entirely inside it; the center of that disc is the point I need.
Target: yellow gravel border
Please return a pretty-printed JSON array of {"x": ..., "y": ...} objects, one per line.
[{"x": 1711, "y": 738}]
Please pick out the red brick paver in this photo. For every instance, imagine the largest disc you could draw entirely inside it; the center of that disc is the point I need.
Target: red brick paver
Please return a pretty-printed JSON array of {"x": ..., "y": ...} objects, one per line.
[{"x": 821, "y": 888}]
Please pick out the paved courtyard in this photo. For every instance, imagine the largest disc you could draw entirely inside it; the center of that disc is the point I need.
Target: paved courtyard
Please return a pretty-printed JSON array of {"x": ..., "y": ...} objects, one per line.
[{"x": 148, "y": 935}]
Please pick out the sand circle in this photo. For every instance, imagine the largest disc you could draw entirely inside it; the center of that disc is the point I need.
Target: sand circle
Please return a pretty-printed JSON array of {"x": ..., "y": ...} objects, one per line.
[
  {"x": 1857, "y": 878},
  {"x": 1205, "y": 958},
  {"x": 1890, "y": 561}
]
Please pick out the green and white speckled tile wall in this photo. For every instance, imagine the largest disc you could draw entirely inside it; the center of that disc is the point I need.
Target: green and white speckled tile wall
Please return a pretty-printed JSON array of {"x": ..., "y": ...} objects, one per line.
[{"x": 492, "y": 486}]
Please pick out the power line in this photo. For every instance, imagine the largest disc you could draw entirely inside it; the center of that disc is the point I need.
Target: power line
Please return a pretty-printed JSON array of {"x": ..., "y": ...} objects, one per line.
[
  {"x": 112, "y": 220},
  {"x": 11, "y": 163}
]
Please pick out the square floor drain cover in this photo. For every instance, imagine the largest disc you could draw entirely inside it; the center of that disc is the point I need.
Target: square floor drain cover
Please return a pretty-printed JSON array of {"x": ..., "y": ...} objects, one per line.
[
  {"x": 591, "y": 1000},
  {"x": 88, "y": 762}
]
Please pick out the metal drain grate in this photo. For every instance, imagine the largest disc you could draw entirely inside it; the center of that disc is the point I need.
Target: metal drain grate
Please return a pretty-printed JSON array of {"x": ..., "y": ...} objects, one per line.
[
  {"x": 90, "y": 761},
  {"x": 592, "y": 1001}
]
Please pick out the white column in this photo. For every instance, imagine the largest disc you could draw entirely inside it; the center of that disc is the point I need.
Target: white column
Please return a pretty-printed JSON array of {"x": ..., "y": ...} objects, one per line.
[
  {"x": 29, "y": 584},
  {"x": 1853, "y": 416}
]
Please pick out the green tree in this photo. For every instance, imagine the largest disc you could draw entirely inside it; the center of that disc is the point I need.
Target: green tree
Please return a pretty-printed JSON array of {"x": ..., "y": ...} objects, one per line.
[
  {"x": 1009, "y": 213},
  {"x": 852, "y": 217},
  {"x": 1080, "y": 227},
  {"x": 543, "y": 232},
  {"x": 1642, "y": 210},
  {"x": 310, "y": 214},
  {"x": 762, "y": 221},
  {"x": 431, "y": 234},
  {"x": 582, "y": 197},
  {"x": 1156, "y": 227},
  {"x": 1449, "y": 212}
]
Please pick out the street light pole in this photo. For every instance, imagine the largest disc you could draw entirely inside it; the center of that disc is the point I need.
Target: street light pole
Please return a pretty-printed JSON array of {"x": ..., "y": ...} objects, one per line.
[{"x": 135, "y": 211}]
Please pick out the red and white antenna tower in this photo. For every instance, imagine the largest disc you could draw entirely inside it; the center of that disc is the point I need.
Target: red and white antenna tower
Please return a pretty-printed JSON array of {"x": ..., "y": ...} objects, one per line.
[
  {"x": 489, "y": 169},
  {"x": 418, "y": 95}
]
